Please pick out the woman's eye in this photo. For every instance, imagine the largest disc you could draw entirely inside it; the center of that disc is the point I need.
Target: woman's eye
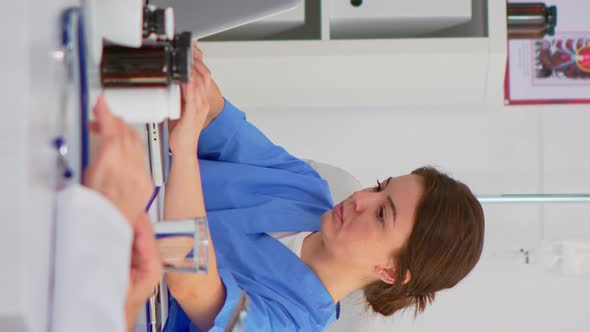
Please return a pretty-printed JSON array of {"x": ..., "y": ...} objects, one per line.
[{"x": 377, "y": 188}]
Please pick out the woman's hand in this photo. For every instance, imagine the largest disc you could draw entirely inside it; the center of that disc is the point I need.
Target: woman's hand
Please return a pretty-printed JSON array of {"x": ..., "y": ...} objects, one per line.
[
  {"x": 216, "y": 101},
  {"x": 195, "y": 107},
  {"x": 145, "y": 271},
  {"x": 118, "y": 170}
]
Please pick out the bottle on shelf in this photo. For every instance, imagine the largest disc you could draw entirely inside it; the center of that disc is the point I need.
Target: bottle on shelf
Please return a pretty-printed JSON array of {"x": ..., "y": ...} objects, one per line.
[{"x": 530, "y": 20}]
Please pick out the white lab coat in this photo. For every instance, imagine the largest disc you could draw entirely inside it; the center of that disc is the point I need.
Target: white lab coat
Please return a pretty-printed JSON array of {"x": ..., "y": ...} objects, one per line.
[{"x": 92, "y": 263}]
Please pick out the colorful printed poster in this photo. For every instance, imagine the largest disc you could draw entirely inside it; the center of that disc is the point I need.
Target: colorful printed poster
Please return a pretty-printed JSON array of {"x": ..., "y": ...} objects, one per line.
[{"x": 554, "y": 69}]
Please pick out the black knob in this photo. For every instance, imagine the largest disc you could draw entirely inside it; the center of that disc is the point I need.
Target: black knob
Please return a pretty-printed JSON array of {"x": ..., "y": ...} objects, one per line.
[
  {"x": 154, "y": 21},
  {"x": 182, "y": 58}
]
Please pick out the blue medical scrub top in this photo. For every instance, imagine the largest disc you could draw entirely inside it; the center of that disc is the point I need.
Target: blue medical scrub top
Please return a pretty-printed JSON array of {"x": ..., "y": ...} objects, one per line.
[{"x": 252, "y": 187}]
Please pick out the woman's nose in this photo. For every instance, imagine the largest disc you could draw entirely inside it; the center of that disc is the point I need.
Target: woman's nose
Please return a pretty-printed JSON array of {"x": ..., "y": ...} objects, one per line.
[{"x": 360, "y": 200}]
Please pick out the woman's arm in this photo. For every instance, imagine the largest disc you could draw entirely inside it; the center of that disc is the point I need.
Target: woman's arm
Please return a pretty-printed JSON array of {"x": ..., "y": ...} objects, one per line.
[
  {"x": 200, "y": 296},
  {"x": 228, "y": 136},
  {"x": 214, "y": 96}
]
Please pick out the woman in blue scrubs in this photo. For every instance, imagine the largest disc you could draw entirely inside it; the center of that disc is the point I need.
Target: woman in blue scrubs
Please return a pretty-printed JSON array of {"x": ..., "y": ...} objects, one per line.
[{"x": 278, "y": 236}]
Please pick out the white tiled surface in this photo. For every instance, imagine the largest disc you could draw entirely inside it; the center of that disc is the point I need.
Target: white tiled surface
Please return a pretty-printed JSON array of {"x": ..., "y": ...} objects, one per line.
[
  {"x": 515, "y": 150},
  {"x": 498, "y": 296},
  {"x": 511, "y": 227},
  {"x": 566, "y": 156},
  {"x": 567, "y": 222},
  {"x": 494, "y": 152},
  {"x": 567, "y": 170}
]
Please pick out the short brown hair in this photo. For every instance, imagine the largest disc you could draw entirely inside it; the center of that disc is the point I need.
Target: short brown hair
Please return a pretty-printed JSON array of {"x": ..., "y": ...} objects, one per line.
[{"x": 444, "y": 246}]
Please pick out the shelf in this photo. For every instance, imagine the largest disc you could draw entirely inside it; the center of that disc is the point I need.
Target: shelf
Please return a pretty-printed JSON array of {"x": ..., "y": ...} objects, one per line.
[
  {"x": 391, "y": 73},
  {"x": 376, "y": 19}
]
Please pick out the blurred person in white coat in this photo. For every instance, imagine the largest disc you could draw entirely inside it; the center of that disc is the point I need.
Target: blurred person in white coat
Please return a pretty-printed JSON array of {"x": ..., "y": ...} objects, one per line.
[{"x": 107, "y": 263}]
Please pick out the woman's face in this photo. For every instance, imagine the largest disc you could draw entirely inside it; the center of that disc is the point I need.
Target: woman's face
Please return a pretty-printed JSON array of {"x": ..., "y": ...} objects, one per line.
[{"x": 367, "y": 227}]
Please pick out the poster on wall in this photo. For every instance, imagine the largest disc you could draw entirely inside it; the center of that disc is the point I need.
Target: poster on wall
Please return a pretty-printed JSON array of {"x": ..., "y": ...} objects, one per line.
[{"x": 548, "y": 52}]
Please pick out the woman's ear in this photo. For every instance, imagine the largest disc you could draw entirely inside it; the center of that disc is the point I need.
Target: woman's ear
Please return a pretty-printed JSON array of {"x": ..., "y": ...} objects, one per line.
[
  {"x": 408, "y": 277},
  {"x": 385, "y": 274}
]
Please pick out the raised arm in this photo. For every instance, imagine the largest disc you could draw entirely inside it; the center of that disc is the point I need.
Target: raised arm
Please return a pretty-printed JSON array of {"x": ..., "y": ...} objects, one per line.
[
  {"x": 200, "y": 296},
  {"x": 228, "y": 136}
]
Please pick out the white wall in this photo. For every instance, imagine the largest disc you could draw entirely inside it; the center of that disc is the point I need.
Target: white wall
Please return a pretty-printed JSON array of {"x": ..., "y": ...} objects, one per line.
[{"x": 512, "y": 150}]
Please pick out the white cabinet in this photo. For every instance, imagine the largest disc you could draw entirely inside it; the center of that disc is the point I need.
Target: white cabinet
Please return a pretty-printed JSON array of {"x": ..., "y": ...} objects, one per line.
[
  {"x": 395, "y": 18},
  {"x": 391, "y": 73}
]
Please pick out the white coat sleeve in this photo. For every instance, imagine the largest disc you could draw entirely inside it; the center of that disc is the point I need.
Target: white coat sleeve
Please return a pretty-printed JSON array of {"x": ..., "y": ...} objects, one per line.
[{"x": 93, "y": 244}]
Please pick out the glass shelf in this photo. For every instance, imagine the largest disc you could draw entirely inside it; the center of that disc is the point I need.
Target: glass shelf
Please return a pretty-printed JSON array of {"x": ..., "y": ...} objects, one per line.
[{"x": 534, "y": 198}]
